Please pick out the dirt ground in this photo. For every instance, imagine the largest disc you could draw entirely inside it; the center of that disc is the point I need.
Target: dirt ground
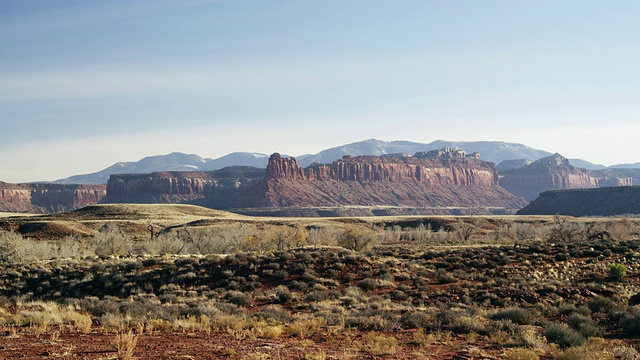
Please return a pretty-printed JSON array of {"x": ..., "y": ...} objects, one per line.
[{"x": 57, "y": 344}]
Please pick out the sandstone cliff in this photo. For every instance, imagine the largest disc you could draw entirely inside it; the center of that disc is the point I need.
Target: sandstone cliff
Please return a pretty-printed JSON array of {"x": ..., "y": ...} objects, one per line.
[
  {"x": 607, "y": 201},
  {"x": 555, "y": 172},
  {"x": 46, "y": 198},
  {"x": 380, "y": 181},
  {"x": 400, "y": 169},
  {"x": 206, "y": 188}
]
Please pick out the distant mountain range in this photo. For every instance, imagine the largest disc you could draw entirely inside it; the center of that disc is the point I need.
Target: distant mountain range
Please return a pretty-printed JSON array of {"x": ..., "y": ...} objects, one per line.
[
  {"x": 170, "y": 162},
  {"x": 494, "y": 151}
]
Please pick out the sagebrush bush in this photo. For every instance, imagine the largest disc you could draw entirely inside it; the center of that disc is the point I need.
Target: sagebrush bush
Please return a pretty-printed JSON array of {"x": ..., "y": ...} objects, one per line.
[
  {"x": 600, "y": 304},
  {"x": 584, "y": 325},
  {"x": 274, "y": 312},
  {"x": 284, "y": 295},
  {"x": 444, "y": 277},
  {"x": 563, "y": 335},
  {"x": 239, "y": 298},
  {"x": 517, "y": 315},
  {"x": 592, "y": 349},
  {"x": 631, "y": 325},
  {"x": 415, "y": 320},
  {"x": 368, "y": 284}
]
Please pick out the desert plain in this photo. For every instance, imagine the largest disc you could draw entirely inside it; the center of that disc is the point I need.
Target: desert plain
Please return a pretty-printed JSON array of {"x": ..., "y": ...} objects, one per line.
[{"x": 124, "y": 281}]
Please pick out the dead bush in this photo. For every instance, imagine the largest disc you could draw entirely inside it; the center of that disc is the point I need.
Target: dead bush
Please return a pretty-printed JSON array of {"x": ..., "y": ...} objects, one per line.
[
  {"x": 111, "y": 240},
  {"x": 357, "y": 239}
]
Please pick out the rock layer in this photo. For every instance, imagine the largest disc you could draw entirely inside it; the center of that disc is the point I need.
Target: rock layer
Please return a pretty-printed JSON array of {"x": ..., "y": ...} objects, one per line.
[
  {"x": 429, "y": 171},
  {"x": 206, "y": 188},
  {"x": 47, "y": 198}
]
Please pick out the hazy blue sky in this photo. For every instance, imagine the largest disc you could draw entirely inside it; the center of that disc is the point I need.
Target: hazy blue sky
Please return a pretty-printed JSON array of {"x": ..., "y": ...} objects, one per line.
[{"x": 86, "y": 83}]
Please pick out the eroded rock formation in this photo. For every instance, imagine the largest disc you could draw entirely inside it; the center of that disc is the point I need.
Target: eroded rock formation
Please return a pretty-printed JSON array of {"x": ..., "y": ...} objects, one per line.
[
  {"x": 46, "y": 198},
  {"x": 207, "y": 188},
  {"x": 424, "y": 181},
  {"x": 430, "y": 171},
  {"x": 554, "y": 173}
]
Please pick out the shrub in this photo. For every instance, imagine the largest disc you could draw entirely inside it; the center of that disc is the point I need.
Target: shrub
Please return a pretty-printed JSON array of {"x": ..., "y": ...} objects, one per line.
[
  {"x": 306, "y": 327},
  {"x": 444, "y": 278},
  {"x": 563, "y": 230},
  {"x": 521, "y": 354},
  {"x": 631, "y": 326},
  {"x": 287, "y": 237},
  {"x": 618, "y": 271},
  {"x": 357, "y": 239},
  {"x": 530, "y": 337},
  {"x": 463, "y": 230},
  {"x": 125, "y": 344},
  {"x": 563, "y": 335},
  {"x": 111, "y": 240},
  {"x": 239, "y": 298},
  {"x": 468, "y": 324},
  {"x": 368, "y": 284},
  {"x": 11, "y": 245},
  {"x": 316, "y": 296},
  {"x": 516, "y": 315},
  {"x": 593, "y": 349},
  {"x": 584, "y": 325},
  {"x": 378, "y": 344},
  {"x": 626, "y": 353},
  {"x": 600, "y": 304},
  {"x": 284, "y": 295},
  {"x": 271, "y": 332},
  {"x": 621, "y": 230},
  {"x": 274, "y": 312},
  {"x": 415, "y": 320}
]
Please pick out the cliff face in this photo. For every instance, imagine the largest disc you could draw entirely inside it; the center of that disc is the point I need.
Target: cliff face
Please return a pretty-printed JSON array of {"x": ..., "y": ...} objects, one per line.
[
  {"x": 554, "y": 172},
  {"x": 439, "y": 182},
  {"x": 430, "y": 171},
  {"x": 207, "y": 188},
  {"x": 607, "y": 201},
  {"x": 47, "y": 198}
]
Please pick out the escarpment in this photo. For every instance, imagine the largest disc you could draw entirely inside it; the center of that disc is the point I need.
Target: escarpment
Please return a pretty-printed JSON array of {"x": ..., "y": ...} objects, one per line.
[
  {"x": 555, "y": 173},
  {"x": 41, "y": 198},
  {"x": 206, "y": 188},
  {"x": 443, "y": 179},
  {"x": 430, "y": 171},
  {"x": 607, "y": 201}
]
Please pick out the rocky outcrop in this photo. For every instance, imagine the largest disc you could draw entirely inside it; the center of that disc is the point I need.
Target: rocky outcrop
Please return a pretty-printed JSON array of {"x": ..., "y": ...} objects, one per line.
[
  {"x": 607, "y": 201},
  {"x": 617, "y": 177},
  {"x": 206, "y": 188},
  {"x": 508, "y": 165},
  {"x": 555, "y": 173},
  {"x": 430, "y": 171},
  {"x": 425, "y": 181},
  {"x": 47, "y": 198}
]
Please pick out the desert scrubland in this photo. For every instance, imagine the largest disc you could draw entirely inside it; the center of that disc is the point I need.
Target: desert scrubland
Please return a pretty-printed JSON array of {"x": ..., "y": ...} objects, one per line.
[{"x": 179, "y": 281}]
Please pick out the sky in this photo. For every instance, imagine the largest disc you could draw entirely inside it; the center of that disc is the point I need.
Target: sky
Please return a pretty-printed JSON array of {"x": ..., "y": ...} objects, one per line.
[{"x": 88, "y": 83}]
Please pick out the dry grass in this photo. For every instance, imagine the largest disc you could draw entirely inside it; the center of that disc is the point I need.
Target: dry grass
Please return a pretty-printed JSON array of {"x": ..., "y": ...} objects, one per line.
[
  {"x": 14, "y": 214},
  {"x": 125, "y": 344},
  {"x": 135, "y": 218}
]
